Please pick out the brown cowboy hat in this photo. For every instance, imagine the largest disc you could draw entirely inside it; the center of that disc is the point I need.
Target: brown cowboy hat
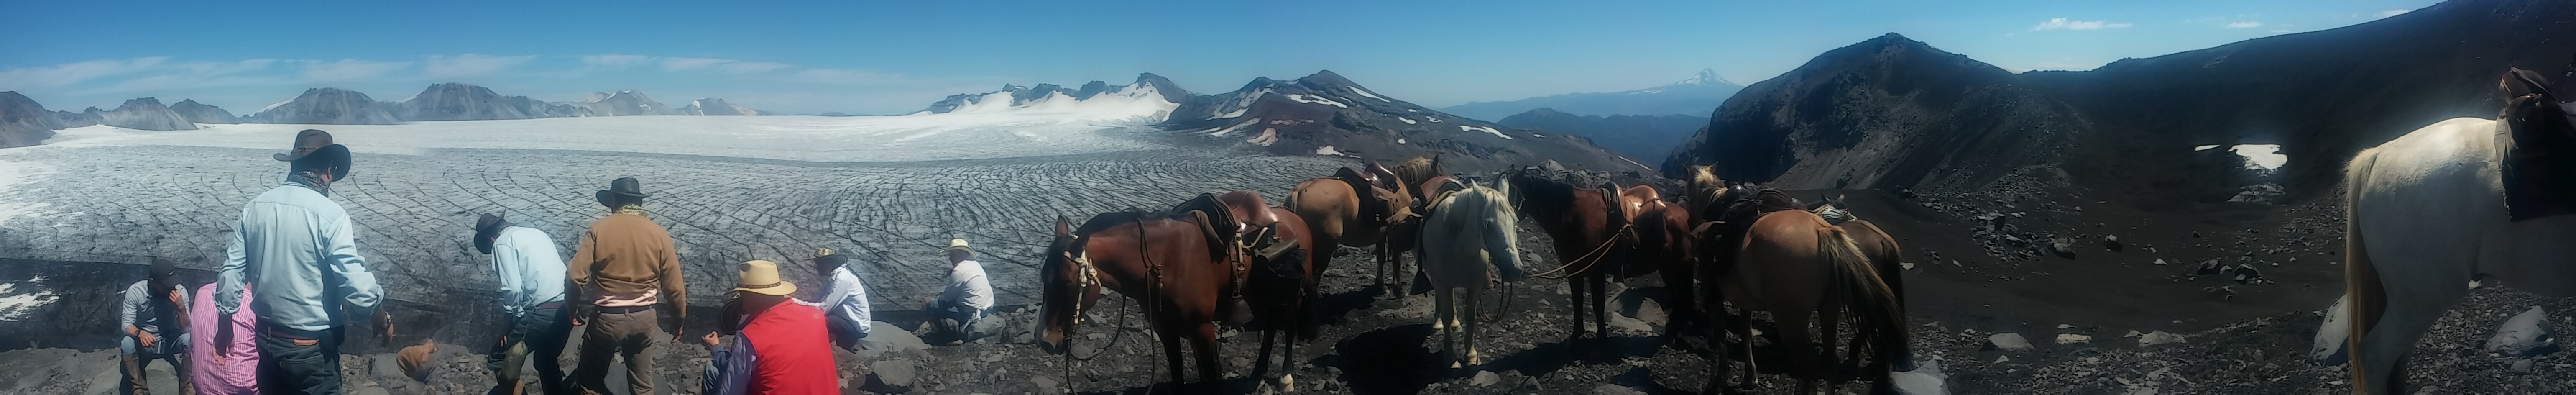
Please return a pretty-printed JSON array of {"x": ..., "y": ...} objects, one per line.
[
  {"x": 305, "y": 143},
  {"x": 486, "y": 228},
  {"x": 627, "y": 187}
]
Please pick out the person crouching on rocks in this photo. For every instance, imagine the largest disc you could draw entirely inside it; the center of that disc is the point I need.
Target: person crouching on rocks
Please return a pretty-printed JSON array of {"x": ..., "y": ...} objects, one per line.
[
  {"x": 531, "y": 273},
  {"x": 781, "y": 348},
  {"x": 152, "y": 323},
  {"x": 955, "y": 310},
  {"x": 845, "y": 303},
  {"x": 299, "y": 251},
  {"x": 625, "y": 268}
]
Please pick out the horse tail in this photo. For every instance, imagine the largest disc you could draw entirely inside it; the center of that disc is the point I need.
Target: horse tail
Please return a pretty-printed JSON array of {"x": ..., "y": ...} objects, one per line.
[
  {"x": 1871, "y": 300},
  {"x": 2361, "y": 280}
]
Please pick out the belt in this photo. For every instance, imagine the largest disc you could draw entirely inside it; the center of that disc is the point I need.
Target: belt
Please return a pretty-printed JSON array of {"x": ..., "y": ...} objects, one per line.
[
  {"x": 624, "y": 310},
  {"x": 551, "y": 305},
  {"x": 292, "y": 333}
]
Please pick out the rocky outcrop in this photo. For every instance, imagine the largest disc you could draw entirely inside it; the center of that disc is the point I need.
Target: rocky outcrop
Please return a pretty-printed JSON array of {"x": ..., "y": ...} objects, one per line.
[
  {"x": 462, "y": 102},
  {"x": 1326, "y": 114},
  {"x": 1893, "y": 113},
  {"x": 202, "y": 113},
  {"x": 145, "y": 114},
  {"x": 87, "y": 117},
  {"x": 1693, "y": 97},
  {"x": 714, "y": 106},
  {"x": 328, "y": 106},
  {"x": 1644, "y": 137},
  {"x": 623, "y": 103},
  {"x": 23, "y": 122}
]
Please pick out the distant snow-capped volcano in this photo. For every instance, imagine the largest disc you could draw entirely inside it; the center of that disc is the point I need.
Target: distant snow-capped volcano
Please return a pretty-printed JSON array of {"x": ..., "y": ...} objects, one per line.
[{"x": 1151, "y": 98}]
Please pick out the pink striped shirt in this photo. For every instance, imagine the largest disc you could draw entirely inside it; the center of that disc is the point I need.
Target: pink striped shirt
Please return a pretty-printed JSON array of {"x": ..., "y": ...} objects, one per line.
[{"x": 239, "y": 373}]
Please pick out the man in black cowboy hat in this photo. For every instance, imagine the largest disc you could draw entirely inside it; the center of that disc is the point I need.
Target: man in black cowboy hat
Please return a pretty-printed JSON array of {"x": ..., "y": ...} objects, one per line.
[
  {"x": 299, "y": 250},
  {"x": 152, "y": 329},
  {"x": 531, "y": 273},
  {"x": 624, "y": 269}
]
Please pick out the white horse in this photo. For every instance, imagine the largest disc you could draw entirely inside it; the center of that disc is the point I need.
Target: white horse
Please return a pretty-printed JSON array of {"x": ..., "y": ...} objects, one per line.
[
  {"x": 1467, "y": 230},
  {"x": 2427, "y": 216}
]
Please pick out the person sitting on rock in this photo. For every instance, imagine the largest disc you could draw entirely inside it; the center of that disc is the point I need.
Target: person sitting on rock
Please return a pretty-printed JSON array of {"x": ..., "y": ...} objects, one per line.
[
  {"x": 781, "y": 342},
  {"x": 152, "y": 325},
  {"x": 955, "y": 310},
  {"x": 845, "y": 303}
]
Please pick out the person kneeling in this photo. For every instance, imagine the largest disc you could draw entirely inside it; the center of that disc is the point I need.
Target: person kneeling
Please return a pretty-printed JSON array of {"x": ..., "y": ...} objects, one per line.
[{"x": 780, "y": 348}]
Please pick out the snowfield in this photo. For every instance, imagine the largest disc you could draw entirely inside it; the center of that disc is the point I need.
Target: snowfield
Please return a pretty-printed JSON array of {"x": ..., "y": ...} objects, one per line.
[{"x": 892, "y": 189}]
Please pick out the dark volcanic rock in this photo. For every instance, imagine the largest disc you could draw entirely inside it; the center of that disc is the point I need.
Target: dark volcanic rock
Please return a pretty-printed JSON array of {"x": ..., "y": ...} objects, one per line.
[
  {"x": 328, "y": 106},
  {"x": 1325, "y": 114},
  {"x": 202, "y": 113},
  {"x": 463, "y": 102},
  {"x": 146, "y": 114},
  {"x": 1694, "y": 97},
  {"x": 1894, "y": 113},
  {"x": 23, "y": 122},
  {"x": 623, "y": 103},
  {"x": 1646, "y": 137},
  {"x": 67, "y": 119}
]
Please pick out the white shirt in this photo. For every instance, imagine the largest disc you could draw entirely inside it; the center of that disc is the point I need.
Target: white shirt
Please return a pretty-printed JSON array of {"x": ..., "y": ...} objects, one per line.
[
  {"x": 966, "y": 285},
  {"x": 847, "y": 299}
]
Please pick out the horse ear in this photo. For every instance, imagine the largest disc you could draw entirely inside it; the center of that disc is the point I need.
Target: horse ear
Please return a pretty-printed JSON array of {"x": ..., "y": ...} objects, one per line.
[
  {"x": 2518, "y": 82},
  {"x": 1061, "y": 228}
]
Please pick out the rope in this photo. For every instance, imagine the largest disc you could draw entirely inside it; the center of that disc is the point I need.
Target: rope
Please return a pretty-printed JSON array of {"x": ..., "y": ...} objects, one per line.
[{"x": 1587, "y": 259}]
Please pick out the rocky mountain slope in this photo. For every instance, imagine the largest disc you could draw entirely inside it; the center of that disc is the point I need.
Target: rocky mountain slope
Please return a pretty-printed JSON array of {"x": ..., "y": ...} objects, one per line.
[
  {"x": 457, "y": 102},
  {"x": 624, "y": 103},
  {"x": 23, "y": 122},
  {"x": 328, "y": 106},
  {"x": 714, "y": 106},
  {"x": 1894, "y": 113},
  {"x": 1694, "y": 96},
  {"x": 202, "y": 113},
  {"x": 146, "y": 114},
  {"x": 1147, "y": 86},
  {"x": 1325, "y": 114},
  {"x": 1637, "y": 136}
]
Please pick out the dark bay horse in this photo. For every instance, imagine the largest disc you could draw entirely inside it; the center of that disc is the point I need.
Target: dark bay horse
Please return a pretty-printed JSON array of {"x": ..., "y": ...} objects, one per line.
[
  {"x": 1283, "y": 271},
  {"x": 1352, "y": 208},
  {"x": 1584, "y": 224},
  {"x": 1167, "y": 263}
]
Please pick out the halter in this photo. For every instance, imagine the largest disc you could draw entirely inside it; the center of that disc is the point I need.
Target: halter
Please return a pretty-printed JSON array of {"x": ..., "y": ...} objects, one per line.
[{"x": 1088, "y": 277}]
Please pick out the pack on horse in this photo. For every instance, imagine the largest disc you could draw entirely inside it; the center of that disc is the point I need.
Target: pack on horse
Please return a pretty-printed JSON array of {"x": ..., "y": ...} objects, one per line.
[
  {"x": 2446, "y": 204},
  {"x": 1589, "y": 226},
  {"x": 1468, "y": 231},
  {"x": 1354, "y": 208},
  {"x": 1420, "y": 176},
  {"x": 1763, "y": 252},
  {"x": 1188, "y": 267},
  {"x": 1282, "y": 273}
]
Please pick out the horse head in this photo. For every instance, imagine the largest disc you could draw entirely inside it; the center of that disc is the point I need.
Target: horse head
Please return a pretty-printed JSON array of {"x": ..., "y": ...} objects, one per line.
[
  {"x": 1068, "y": 286},
  {"x": 2531, "y": 105},
  {"x": 1505, "y": 223}
]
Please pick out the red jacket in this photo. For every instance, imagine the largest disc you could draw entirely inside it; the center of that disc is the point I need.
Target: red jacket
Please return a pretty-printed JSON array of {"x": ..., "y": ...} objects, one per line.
[{"x": 795, "y": 357}]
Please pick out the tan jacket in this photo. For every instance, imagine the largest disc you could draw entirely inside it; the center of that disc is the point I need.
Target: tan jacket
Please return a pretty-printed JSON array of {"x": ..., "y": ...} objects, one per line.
[{"x": 627, "y": 258}]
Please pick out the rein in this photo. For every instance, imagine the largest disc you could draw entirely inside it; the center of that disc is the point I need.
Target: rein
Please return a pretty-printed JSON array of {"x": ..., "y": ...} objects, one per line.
[{"x": 1587, "y": 259}]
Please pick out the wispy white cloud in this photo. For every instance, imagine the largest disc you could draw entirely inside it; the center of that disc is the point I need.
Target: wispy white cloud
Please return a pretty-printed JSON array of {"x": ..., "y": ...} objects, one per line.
[
  {"x": 2390, "y": 13},
  {"x": 349, "y": 69},
  {"x": 2244, "y": 24},
  {"x": 470, "y": 64},
  {"x": 2070, "y": 24},
  {"x": 846, "y": 77},
  {"x": 74, "y": 73},
  {"x": 679, "y": 64},
  {"x": 753, "y": 67}
]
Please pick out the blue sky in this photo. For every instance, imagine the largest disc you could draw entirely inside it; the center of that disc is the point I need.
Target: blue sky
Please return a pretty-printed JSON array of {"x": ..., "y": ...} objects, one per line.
[{"x": 896, "y": 57}]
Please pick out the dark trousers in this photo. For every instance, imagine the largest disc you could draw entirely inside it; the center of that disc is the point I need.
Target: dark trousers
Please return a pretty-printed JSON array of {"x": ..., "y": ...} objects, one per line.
[
  {"x": 624, "y": 335},
  {"x": 292, "y": 366},
  {"x": 845, "y": 333},
  {"x": 540, "y": 332}
]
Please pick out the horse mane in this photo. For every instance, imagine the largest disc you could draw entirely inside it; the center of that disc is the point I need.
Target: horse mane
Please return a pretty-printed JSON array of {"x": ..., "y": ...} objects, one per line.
[
  {"x": 1417, "y": 169},
  {"x": 2530, "y": 105},
  {"x": 1103, "y": 221},
  {"x": 1706, "y": 189},
  {"x": 1544, "y": 195}
]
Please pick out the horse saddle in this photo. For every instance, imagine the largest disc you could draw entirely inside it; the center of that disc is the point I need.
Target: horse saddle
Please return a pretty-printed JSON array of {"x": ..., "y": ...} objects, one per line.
[
  {"x": 1633, "y": 200},
  {"x": 1365, "y": 184},
  {"x": 1731, "y": 224},
  {"x": 1832, "y": 215},
  {"x": 1216, "y": 222},
  {"x": 2539, "y": 166}
]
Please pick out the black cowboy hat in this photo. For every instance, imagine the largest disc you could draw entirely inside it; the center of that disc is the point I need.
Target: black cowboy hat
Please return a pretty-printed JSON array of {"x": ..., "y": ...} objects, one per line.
[
  {"x": 305, "y": 143},
  {"x": 628, "y": 187},
  {"x": 826, "y": 259},
  {"x": 487, "y": 228},
  {"x": 334, "y": 157}
]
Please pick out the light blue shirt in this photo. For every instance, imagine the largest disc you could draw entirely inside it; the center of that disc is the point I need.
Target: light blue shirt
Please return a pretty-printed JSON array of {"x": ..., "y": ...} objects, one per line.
[
  {"x": 847, "y": 299},
  {"x": 529, "y": 268},
  {"x": 298, "y": 250}
]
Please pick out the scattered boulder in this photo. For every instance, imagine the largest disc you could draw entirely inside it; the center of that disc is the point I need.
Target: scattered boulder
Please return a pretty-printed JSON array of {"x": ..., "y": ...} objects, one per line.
[
  {"x": 1925, "y": 379},
  {"x": 2112, "y": 243},
  {"x": 884, "y": 338},
  {"x": 2158, "y": 337},
  {"x": 2007, "y": 342},
  {"x": 2523, "y": 336},
  {"x": 2328, "y": 348},
  {"x": 2069, "y": 338},
  {"x": 1486, "y": 378},
  {"x": 893, "y": 376},
  {"x": 1615, "y": 389}
]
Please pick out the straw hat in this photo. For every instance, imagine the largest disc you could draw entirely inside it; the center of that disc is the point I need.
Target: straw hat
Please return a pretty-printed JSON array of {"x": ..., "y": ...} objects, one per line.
[
  {"x": 958, "y": 245},
  {"x": 761, "y": 277}
]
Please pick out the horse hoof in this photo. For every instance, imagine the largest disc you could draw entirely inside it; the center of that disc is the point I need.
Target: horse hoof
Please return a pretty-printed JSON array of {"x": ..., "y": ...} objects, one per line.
[
  {"x": 1455, "y": 365},
  {"x": 1288, "y": 382}
]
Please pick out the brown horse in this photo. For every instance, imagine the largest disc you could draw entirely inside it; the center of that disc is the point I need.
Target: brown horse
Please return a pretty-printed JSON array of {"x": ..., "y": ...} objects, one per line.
[
  {"x": 1352, "y": 208},
  {"x": 1163, "y": 261},
  {"x": 1585, "y": 227},
  {"x": 1793, "y": 264},
  {"x": 1665, "y": 241},
  {"x": 1281, "y": 275},
  {"x": 1421, "y": 176}
]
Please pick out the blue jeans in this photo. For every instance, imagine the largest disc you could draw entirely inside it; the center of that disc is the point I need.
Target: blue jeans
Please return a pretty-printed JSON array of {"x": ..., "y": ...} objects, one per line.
[
  {"x": 290, "y": 366},
  {"x": 964, "y": 315}
]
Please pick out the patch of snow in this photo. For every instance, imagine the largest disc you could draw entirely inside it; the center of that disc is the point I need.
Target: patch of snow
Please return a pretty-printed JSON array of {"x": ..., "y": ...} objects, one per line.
[
  {"x": 1399, "y": 140},
  {"x": 2261, "y": 156},
  {"x": 2204, "y": 147},
  {"x": 1328, "y": 150},
  {"x": 1407, "y": 121},
  {"x": 1268, "y": 136},
  {"x": 1537, "y": 135},
  {"x": 1474, "y": 128},
  {"x": 1432, "y": 119},
  {"x": 1230, "y": 114},
  {"x": 1236, "y": 126},
  {"x": 273, "y": 106},
  {"x": 1649, "y": 169},
  {"x": 17, "y": 307},
  {"x": 1365, "y": 92},
  {"x": 1300, "y": 98},
  {"x": 1412, "y": 110}
]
